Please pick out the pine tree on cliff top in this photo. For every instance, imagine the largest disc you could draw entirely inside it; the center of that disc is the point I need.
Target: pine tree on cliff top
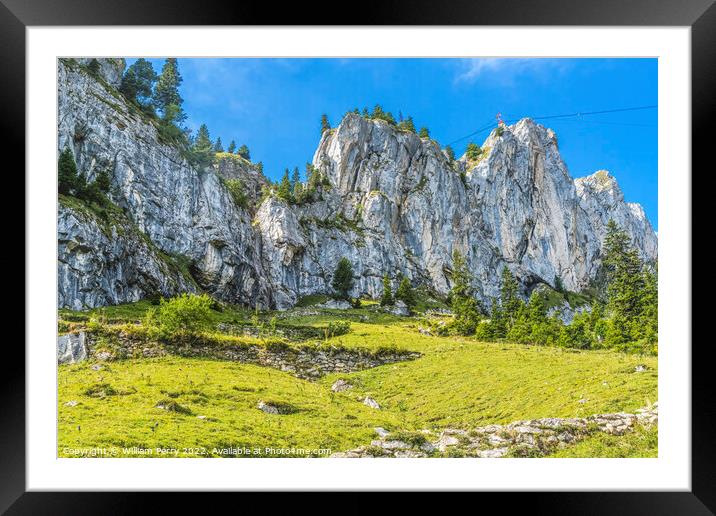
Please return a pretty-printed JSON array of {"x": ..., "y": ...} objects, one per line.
[{"x": 166, "y": 92}]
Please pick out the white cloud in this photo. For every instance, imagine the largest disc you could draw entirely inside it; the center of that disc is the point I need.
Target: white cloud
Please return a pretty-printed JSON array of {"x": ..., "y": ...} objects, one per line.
[{"x": 504, "y": 71}]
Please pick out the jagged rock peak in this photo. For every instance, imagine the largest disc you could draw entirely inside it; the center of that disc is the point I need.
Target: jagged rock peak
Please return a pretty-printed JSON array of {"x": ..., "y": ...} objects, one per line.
[{"x": 600, "y": 181}]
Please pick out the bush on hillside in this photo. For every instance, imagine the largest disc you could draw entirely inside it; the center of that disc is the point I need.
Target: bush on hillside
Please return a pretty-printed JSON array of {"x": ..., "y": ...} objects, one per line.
[{"x": 187, "y": 314}]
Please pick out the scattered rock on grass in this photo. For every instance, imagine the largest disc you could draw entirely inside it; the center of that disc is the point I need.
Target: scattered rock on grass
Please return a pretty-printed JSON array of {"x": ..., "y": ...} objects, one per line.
[
  {"x": 371, "y": 402},
  {"x": 399, "y": 308},
  {"x": 382, "y": 432},
  {"x": 276, "y": 407},
  {"x": 341, "y": 385},
  {"x": 72, "y": 403},
  {"x": 335, "y": 304},
  {"x": 172, "y": 406}
]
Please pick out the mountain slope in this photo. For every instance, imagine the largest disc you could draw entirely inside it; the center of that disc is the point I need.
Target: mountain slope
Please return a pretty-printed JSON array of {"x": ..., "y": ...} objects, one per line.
[{"x": 393, "y": 204}]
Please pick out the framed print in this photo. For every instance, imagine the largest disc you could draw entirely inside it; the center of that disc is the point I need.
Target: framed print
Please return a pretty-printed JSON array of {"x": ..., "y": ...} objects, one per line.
[{"x": 446, "y": 250}]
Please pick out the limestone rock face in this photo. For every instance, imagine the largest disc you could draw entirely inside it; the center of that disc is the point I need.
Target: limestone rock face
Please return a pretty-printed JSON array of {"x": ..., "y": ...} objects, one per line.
[
  {"x": 110, "y": 68},
  {"x": 101, "y": 263},
  {"x": 397, "y": 204},
  {"x": 185, "y": 213},
  {"x": 392, "y": 203},
  {"x": 232, "y": 166}
]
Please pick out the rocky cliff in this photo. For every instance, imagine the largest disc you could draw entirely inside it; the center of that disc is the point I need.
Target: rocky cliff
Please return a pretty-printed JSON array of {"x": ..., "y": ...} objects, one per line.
[
  {"x": 393, "y": 204},
  {"x": 184, "y": 212}
]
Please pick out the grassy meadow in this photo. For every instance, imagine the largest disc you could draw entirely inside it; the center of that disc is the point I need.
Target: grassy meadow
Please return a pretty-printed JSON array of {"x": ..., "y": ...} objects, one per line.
[{"x": 209, "y": 407}]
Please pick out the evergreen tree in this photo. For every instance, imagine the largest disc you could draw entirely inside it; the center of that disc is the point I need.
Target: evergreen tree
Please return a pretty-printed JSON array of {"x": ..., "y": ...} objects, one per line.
[
  {"x": 387, "y": 297},
  {"x": 405, "y": 293},
  {"x": 379, "y": 114},
  {"x": 473, "y": 151},
  {"x": 407, "y": 124},
  {"x": 244, "y": 152},
  {"x": 625, "y": 281},
  {"x": 462, "y": 297},
  {"x": 558, "y": 286},
  {"x": 424, "y": 132},
  {"x": 325, "y": 124},
  {"x": 285, "y": 191},
  {"x": 632, "y": 303},
  {"x": 166, "y": 91},
  {"x": 295, "y": 179},
  {"x": 93, "y": 67},
  {"x": 509, "y": 296},
  {"x": 232, "y": 147},
  {"x": 461, "y": 276},
  {"x": 498, "y": 322},
  {"x": 218, "y": 147},
  {"x": 650, "y": 305},
  {"x": 343, "y": 278},
  {"x": 138, "y": 82},
  {"x": 103, "y": 181},
  {"x": 450, "y": 153},
  {"x": 67, "y": 178},
  {"x": 521, "y": 328},
  {"x": 202, "y": 149}
]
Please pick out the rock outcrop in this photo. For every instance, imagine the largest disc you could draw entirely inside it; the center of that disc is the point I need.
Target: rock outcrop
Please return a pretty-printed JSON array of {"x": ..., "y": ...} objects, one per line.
[
  {"x": 110, "y": 68},
  {"x": 184, "y": 212},
  {"x": 109, "y": 262},
  {"x": 531, "y": 438},
  {"x": 398, "y": 205},
  {"x": 391, "y": 202}
]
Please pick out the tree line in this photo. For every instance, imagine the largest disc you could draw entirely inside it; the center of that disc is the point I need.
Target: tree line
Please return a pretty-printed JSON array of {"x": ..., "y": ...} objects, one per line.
[
  {"x": 158, "y": 97},
  {"x": 625, "y": 317}
]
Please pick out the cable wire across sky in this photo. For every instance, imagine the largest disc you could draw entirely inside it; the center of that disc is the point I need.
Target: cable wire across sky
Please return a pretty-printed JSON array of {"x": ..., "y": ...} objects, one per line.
[{"x": 578, "y": 114}]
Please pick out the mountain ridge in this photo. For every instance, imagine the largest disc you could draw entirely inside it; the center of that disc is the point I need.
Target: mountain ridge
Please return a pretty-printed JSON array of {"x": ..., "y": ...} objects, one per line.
[{"x": 394, "y": 204}]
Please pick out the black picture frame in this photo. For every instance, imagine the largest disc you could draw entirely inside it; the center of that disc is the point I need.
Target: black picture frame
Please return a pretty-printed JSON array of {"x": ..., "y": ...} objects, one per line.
[{"x": 700, "y": 15}]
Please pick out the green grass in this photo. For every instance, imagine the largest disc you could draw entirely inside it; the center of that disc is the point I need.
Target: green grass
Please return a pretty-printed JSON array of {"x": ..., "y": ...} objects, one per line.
[
  {"x": 458, "y": 382},
  {"x": 642, "y": 443},
  {"x": 226, "y": 393}
]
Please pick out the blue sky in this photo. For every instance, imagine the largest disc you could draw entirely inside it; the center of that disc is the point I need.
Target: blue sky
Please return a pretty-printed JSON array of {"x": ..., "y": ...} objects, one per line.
[{"x": 274, "y": 105}]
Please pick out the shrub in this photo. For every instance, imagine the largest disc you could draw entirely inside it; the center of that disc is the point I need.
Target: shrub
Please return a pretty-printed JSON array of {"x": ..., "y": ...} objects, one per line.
[
  {"x": 473, "y": 151},
  {"x": 337, "y": 328},
  {"x": 236, "y": 189},
  {"x": 187, "y": 314}
]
